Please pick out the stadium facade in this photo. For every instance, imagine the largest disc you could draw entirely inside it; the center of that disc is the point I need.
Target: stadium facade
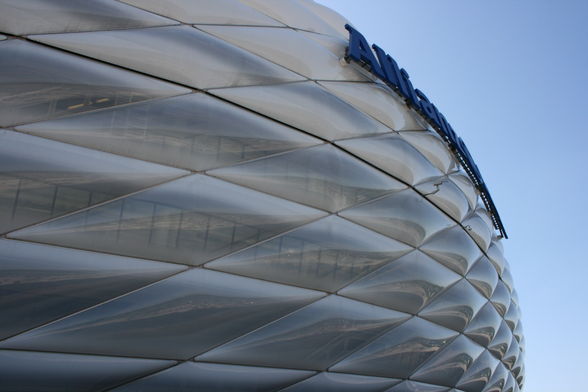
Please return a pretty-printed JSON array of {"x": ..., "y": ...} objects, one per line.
[{"x": 217, "y": 195}]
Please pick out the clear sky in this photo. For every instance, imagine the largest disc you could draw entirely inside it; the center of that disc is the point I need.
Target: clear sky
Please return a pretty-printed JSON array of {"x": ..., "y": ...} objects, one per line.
[{"x": 510, "y": 76}]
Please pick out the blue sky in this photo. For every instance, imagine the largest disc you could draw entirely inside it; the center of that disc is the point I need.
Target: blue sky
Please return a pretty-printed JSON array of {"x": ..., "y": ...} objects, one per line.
[{"x": 510, "y": 78}]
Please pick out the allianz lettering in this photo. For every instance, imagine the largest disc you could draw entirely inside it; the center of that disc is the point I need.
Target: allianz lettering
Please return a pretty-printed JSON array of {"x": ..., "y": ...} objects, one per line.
[{"x": 384, "y": 67}]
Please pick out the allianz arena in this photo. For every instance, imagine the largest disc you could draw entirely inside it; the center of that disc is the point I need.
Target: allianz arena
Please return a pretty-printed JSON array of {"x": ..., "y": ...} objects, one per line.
[{"x": 207, "y": 195}]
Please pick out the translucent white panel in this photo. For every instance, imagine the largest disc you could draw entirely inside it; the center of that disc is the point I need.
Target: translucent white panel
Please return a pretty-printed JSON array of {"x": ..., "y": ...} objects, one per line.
[
  {"x": 329, "y": 16},
  {"x": 432, "y": 147},
  {"x": 483, "y": 276},
  {"x": 406, "y": 284},
  {"x": 292, "y": 13},
  {"x": 398, "y": 352},
  {"x": 478, "y": 375},
  {"x": 289, "y": 49},
  {"x": 514, "y": 296},
  {"x": 447, "y": 196},
  {"x": 192, "y": 131},
  {"x": 518, "y": 333},
  {"x": 191, "y": 220},
  {"x": 393, "y": 155},
  {"x": 306, "y": 106},
  {"x": 338, "y": 382},
  {"x": 510, "y": 384},
  {"x": 226, "y": 12},
  {"x": 501, "y": 341},
  {"x": 497, "y": 380},
  {"x": 513, "y": 315},
  {"x": 41, "y": 179},
  {"x": 512, "y": 354},
  {"x": 38, "y": 83},
  {"x": 324, "y": 255},
  {"x": 176, "y": 318},
  {"x": 2, "y": 37},
  {"x": 335, "y": 45},
  {"x": 182, "y": 54},
  {"x": 464, "y": 183},
  {"x": 454, "y": 248},
  {"x": 376, "y": 101},
  {"x": 39, "y": 372},
  {"x": 506, "y": 277},
  {"x": 412, "y": 386},
  {"x": 189, "y": 377},
  {"x": 484, "y": 325},
  {"x": 61, "y": 16},
  {"x": 405, "y": 216},
  {"x": 449, "y": 365},
  {"x": 313, "y": 338},
  {"x": 496, "y": 257},
  {"x": 484, "y": 214},
  {"x": 478, "y": 230},
  {"x": 455, "y": 307},
  {"x": 41, "y": 283},
  {"x": 501, "y": 298},
  {"x": 323, "y": 177},
  {"x": 518, "y": 366}
]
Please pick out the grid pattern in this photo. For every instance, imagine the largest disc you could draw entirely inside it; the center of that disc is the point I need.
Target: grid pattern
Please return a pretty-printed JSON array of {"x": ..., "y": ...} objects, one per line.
[{"x": 201, "y": 195}]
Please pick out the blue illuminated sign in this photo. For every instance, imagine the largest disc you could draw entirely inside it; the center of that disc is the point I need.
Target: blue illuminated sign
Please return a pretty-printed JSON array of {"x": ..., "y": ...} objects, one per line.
[{"x": 385, "y": 68}]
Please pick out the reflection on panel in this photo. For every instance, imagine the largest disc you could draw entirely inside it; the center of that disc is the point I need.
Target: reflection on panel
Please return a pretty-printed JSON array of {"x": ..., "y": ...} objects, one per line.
[
  {"x": 313, "y": 338},
  {"x": 399, "y": 352},
  {"x": 405, "y": 216},
  {"x": 479, "y": 230},
  {"x": 339, "y": 382},
  {"x": 190, "y": 221},
  {"x": 393, "y": 155},
  {"x": 501, "y": 298},
  {"x": 483, "y": 276},
  {"x": 323, "y": 177},
  {"x": 512, "y": 354},
  {"x": 41, "y": 283},
  {"x": 433, "y": 148},
  {"x": 305, "y": 106},
  {"x": 513, "y": 315},
  {"x": 324, "y": 255},
  {"x": 455, "y": 307},
  {"x": 447, "y": 367},
  {"x": 190, "y": 376},
  {"x": 484, "y": 325},
  {"x": 406, "y": 284},
  {"x": 478, "y": 375},
  {"x": 176, "y": 318},
  {"x": 447, "y": 196},
  {"x": 293, "y": 14},
  {"x": 497, "y": 380},
  {"x": 39, "y": 372},
  {"x": 495, "y": 254},
  {"x": 463, "y": 182},
  {"x": 501, "y": 341},
  {"x": 38, "y": 83},
  {"x": 192, "y": 131},
  {"x": 506, "y": 278},
  {"x": 182, "y": 54},
  {"x": 377, "y": 101},
  {"x": 412, "y": 386},
  {"x": 288, "y": 48},
  {"x": 41, "y": 179},
  {"x": 60, "y": 16},
  {"x": 229, "y": 12},
  {"x": 454, "y": 248}
]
